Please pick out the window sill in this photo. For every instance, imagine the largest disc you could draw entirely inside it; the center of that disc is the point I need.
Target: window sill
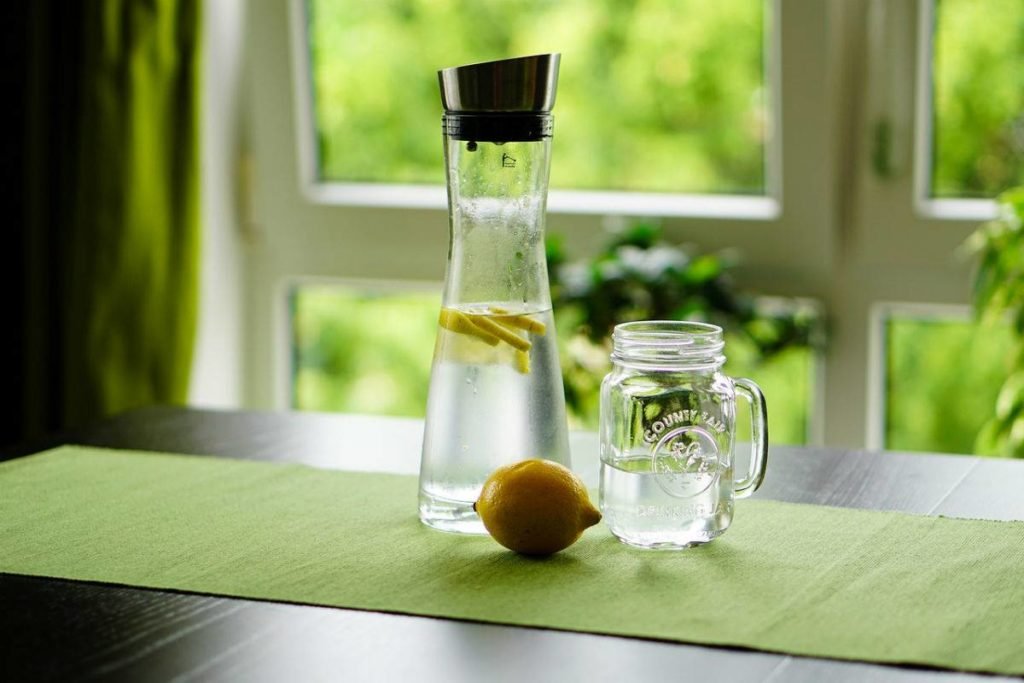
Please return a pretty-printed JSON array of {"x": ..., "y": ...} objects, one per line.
[
  {"x": 957, "y": 209},
  {"x": 559, "y": 201}
]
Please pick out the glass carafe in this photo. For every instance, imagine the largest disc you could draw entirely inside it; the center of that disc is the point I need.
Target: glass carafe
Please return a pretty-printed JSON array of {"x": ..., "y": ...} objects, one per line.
[{"x": 496, "y": 393}]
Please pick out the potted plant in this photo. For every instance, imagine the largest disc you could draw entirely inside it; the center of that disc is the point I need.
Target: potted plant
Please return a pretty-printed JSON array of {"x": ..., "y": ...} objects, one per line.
[
  {"x": 998, "y": 290},
  {"x": 638, "y": 275}
]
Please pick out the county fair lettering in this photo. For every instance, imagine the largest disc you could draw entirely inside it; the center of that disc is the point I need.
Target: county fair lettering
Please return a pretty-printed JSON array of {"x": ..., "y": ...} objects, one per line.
[{"x": 658, "y": 427}]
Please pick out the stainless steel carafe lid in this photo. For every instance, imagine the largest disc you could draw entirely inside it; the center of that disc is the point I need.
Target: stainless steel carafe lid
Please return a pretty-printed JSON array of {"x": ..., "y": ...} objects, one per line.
[{"x": 518, "y": 85}]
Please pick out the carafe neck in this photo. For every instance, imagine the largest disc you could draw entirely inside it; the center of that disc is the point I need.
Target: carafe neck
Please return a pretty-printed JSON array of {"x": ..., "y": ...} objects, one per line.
[{"x": 497, "y": 195}]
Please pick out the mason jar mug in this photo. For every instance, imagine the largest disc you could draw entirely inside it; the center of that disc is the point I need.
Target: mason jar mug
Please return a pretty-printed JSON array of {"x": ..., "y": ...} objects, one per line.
[{"x": 668, "y": 435}]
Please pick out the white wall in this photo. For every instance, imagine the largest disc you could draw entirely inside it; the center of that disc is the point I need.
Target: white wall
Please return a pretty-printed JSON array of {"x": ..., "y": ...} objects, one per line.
[{"x": 217, "y": 365}]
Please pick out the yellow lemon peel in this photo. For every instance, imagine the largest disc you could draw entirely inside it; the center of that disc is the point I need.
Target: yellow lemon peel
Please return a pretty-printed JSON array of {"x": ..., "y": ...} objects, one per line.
[
  {"x": 535, "y": 507},
  {"x": 523, "y": 362},
  {"x": 496, "y": 325},
  {"x": 502, "y": 333},
  {"x": 456, "y": 321},
  {"x": 523, "y": 322}
]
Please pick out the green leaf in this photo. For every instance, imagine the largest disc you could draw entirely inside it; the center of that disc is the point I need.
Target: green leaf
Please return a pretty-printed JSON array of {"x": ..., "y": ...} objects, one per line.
[{"x": 703, "y": 269}]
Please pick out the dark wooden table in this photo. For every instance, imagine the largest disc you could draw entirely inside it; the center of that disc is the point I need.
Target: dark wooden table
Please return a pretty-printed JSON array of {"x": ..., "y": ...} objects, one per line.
[{"x": 62, "y": 630}]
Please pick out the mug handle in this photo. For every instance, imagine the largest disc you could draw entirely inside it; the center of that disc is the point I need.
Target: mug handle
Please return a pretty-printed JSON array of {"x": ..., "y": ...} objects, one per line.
[{"x": 759, "y": 437}]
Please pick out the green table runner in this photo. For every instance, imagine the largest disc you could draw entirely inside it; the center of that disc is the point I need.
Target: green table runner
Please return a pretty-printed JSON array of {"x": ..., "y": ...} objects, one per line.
[{"x": 806, "y": 580}]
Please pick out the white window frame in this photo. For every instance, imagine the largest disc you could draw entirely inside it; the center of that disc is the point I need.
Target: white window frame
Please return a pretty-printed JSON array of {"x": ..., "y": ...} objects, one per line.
[
  {"x": 928, "y": 206},
  {"x": 598, "y": 202},
  {"x": 829, "y": 230}
]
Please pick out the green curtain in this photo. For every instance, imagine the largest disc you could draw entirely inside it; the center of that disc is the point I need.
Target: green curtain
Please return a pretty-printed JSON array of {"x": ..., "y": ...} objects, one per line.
[{"x": 113, "y": 197}]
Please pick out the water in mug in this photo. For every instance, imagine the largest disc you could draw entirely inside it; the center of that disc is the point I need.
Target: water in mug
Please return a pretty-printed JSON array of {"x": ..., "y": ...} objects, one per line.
[
  {"x": 491, "y": 403},
  {"x": 641, "y": 511}
]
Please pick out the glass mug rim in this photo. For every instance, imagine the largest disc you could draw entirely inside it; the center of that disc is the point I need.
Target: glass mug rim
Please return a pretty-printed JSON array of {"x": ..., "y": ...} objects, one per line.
[{"x": 674, "y": 343}]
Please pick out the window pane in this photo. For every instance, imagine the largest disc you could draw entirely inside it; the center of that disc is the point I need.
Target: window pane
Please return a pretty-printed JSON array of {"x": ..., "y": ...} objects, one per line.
[
  {"x": 362, "y": 352},
  {"x": 942, "y": 378},
  {"x": 662, "y": 95},
  {"x": 978, "y": 80}
]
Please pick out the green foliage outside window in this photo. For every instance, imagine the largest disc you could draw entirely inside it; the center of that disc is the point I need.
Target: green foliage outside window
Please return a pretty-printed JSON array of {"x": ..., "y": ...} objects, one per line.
[
  {"x": 357, "y": 351},
  {"x": 658, "y": 95},
  {"x": 978, "y": 78},
  {"x": 942, "y": 379}
]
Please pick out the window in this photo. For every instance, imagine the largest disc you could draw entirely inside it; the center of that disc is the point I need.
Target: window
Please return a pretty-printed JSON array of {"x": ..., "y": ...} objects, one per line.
[
  {"x": 977, "y": 98},
  {"x": 942, "y": 376},
  {"x": 362, "y": 348},
  {"x": 844, "y": 150},
  {"x": 642, "y": 102}
]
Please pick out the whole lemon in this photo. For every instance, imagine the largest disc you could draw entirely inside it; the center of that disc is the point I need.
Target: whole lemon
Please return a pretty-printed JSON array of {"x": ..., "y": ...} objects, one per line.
[{"x": 535, "y": 507}]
